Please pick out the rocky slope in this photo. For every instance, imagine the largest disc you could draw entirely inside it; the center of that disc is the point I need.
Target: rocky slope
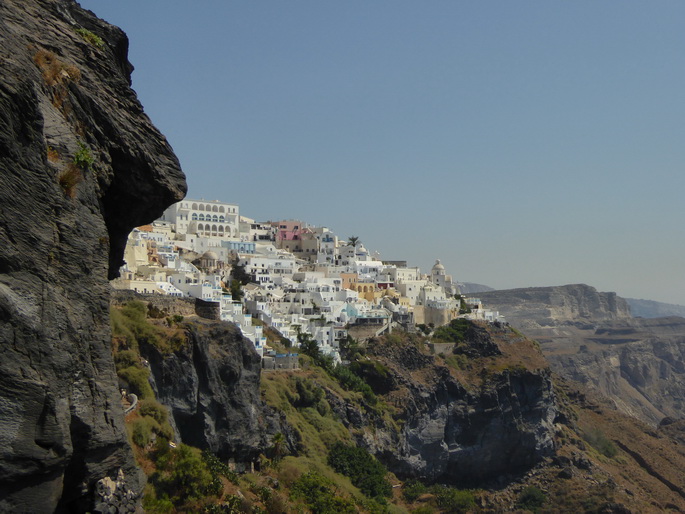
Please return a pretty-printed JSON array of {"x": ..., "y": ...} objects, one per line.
[
  {"x": 487, "y": 414},
  {"x": 590, "y": 337},
  {"x": 440, "y": 423},
  {"x": 81, "y": 166}
]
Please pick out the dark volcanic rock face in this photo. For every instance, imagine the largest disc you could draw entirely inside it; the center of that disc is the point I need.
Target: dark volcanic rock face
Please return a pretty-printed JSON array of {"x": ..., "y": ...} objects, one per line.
[
  {"x": 211, "y": 387},
  {"x": 81, "y": 165},
  {"x": 498, "y": 420}
]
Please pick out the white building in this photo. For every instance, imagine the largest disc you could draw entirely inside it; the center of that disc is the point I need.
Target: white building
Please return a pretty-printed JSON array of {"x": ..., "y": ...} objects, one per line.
[{"x": 205, "y": 218}]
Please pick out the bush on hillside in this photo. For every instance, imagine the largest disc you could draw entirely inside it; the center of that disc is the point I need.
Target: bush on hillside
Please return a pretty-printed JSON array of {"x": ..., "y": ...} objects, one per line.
[
  {"x": 318, "y": 493},
  {"x": 455, "y": 332},
  {"x": 531, "y": 498},
  {"x": 362, "y": 468},
  {"x": 601, "y": 442}
]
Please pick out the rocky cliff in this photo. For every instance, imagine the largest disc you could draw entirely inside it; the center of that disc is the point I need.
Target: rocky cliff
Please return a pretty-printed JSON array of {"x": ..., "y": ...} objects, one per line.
[
  {"x": 81, "y": 166},
  {"x": 211, "y": 387},
  {"x": 546, "y": 306},
  {"x": 590, "y": 337},
  {"x": 459, "y": 426}
]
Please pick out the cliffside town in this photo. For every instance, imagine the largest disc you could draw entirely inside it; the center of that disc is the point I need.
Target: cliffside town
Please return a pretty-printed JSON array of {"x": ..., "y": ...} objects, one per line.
[{"x": 299, "y": 279}]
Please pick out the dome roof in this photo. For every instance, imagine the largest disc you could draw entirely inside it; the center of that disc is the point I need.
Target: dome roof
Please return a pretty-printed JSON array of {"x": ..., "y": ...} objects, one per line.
[
  {"x": 210, "y": 255},
  {"x": 438, "y": 265}
]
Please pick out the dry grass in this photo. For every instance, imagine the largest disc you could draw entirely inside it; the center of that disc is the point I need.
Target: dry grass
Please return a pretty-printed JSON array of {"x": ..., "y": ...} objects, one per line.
[
  {"x": 54, "y": 70},
  {"x": 53, "y": 155},
  {"x": 69, "y": 178}
]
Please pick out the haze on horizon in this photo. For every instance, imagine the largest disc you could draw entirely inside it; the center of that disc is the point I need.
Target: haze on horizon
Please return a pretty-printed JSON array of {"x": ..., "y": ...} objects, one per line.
[{"x": 522, "y": 143}]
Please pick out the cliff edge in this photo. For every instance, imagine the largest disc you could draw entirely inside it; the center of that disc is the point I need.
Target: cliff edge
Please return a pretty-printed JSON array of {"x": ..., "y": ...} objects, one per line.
[{"x": 81, "y": 166}]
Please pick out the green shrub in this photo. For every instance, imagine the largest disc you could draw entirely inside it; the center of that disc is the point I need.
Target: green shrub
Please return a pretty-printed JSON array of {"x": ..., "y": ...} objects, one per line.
[
  {"x": 413, "y": 490},
  {"x": 601, "y": 442},
  {"x": 142, "y": 430},
  {"x": 455, "y": 332},
  {"x": 453, "y": 500},
  {"x": 457, "y": 361},
  {"x": 137, "y": 379},
  {"x": 155, "y": 410},
  {"x": 352, "y": 382},
  {"x": 83, "y": 158},
  {"x": 308, "y": 394},
  {"x": 362, "y": 468},
  {"x": 126, "y": 358},
  {"x": 318, "y": 493},
  {"x": 93, "y": 39},
  {"x": 216, "y": 467},
  {"x": 182, "y": 474},
  {"x": 531, "y": 498}
]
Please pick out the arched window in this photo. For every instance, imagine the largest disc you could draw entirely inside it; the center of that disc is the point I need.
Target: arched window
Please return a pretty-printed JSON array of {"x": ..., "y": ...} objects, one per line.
[
  {"x": 194, "y": 206},
  {"x": 215, "y": 218},
  {"x": 221, "y": 209},
  {"x": 213, "y": 228},
  {"x": 194, "y": 217},
  {"x": 201, "y": 208},
  {"x": 215, "y": 209},
  {"x": 221, "y": 218},
  {"x": 221, "y": 229},
  {"x": 200, "y": 227},
  {"x": 202, "y": 217}
]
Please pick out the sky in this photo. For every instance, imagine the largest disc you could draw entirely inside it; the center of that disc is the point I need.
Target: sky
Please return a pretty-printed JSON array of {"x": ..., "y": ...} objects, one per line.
[{"x": 527, "y": 143}]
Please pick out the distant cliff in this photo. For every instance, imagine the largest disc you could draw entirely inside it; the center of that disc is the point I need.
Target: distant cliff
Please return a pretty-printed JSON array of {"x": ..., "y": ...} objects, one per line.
[
  {"x": 541, "y": 306},
  {"x": 651, "y": 309},
  {"x": 81, "y": 166},
  {"x": 591, "y": 337}
]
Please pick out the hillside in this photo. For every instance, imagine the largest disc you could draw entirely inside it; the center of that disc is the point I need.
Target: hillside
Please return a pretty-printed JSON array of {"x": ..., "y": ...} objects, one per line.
[
  {"x": 483, "y": 426},
  {"x": 591, "y": 337}
]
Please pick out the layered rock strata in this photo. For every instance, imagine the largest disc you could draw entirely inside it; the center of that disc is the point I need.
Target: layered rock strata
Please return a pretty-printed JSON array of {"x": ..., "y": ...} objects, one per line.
[
  {"x": 81, "y": 165},
  {"x": 591, "y": 337}
]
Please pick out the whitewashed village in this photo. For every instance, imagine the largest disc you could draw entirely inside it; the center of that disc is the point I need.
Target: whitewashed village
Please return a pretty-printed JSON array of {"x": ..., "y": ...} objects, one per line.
[{"x": 296, "y": 278}]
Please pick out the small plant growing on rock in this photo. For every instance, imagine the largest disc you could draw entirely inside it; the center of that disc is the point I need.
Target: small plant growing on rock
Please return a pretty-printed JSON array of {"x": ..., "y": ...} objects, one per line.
[
  {"x": 83, "y": 158},
  {"x": 52, "y": 154},
  {"x": 69, "y": 178},
  {"x": 93, "y": 39}
]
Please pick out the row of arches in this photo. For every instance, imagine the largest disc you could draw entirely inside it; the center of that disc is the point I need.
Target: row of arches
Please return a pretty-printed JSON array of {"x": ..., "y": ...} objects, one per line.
[
  {"x": 212, "y": 208},
  {"x": 209, "y": 217},
  {"x": 215, "y": 230}
]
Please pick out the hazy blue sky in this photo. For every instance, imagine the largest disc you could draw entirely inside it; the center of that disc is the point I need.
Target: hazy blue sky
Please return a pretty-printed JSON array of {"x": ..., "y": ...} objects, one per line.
[{"x": 524, "y": 143}]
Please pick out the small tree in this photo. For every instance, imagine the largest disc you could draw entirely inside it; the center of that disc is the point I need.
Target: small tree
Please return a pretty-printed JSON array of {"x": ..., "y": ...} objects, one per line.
[
  {"x": 531, "y": 498},
  {"x": 353, "y": 241}
]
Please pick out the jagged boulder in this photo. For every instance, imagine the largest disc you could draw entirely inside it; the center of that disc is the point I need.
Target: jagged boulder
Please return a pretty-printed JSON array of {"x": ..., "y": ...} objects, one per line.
[{"x": 80, "y": 166}]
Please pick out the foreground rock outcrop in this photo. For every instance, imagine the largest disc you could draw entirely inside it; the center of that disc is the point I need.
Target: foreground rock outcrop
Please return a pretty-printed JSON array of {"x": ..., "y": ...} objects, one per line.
[{"x": 81, "y": 165}]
